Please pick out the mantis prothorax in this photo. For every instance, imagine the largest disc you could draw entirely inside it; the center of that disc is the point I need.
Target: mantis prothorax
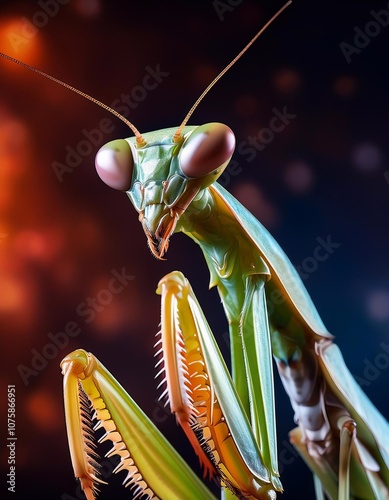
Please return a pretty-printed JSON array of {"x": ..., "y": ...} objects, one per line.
[{"x": 170, "y": 177}]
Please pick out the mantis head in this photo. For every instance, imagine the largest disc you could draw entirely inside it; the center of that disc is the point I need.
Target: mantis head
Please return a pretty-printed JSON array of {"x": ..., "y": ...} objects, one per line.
[
  {"x": 165, "y": 173},
  {"x": 163, "y": 176},
  {"x": 162, "y": 172}
]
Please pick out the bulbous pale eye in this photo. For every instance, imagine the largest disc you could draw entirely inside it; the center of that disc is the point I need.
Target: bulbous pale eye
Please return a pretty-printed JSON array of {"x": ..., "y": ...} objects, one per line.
[
  {"x": 114, "y": 164},
  {"x": 207, "y": 148}
]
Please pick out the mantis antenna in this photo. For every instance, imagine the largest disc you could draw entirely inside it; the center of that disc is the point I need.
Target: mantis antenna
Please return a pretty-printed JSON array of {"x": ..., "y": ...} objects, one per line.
[
  {"x": 177, "y": 135},
  {"x": 139, "y": 139}
]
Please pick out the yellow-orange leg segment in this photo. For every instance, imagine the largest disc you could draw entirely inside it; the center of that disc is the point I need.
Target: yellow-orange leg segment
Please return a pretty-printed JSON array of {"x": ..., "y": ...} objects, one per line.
[{"x": 202, "y": 395}]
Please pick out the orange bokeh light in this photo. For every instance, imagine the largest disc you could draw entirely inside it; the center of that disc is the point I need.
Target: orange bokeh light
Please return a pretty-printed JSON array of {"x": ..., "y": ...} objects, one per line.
[
  {"x": 19, "y": 38},
  {"x": 43, "y": 411},
  {"x": 287, "y": 80}
]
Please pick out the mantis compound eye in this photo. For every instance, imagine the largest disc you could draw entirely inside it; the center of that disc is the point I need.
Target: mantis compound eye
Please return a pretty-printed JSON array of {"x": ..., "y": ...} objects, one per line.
[
  {"x": 114, "y": 163},
  {"x": 209, "y": 147}
]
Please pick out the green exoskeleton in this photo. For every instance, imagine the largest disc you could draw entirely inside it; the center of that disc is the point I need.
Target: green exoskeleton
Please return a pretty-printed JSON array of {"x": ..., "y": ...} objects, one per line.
[
  {"x": 171, "y": 183},
  {"x": 170, "y": 177},
  {"x": 153, "y": 466}
]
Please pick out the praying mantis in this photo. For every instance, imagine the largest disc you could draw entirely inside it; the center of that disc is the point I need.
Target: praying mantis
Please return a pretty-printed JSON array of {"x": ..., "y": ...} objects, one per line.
[{"x": 282, "y": 347}]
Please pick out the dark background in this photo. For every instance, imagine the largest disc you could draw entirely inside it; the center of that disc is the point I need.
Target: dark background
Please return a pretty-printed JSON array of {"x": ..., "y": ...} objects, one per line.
[{"x": 323, "y": 175}]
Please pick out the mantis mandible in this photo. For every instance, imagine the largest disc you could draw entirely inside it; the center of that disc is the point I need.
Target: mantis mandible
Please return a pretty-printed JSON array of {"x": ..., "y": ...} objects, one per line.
[{"x": 177, "y": 193}]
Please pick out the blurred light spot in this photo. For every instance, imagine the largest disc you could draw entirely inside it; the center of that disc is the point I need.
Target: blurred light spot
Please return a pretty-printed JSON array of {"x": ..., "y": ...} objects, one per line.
[
  {"x": 254, "y": 200},
  {"x": 3, "y": 233},
  {"x": 378, "y": 305},
  {"x": 13, "y": 294},
  {"x": 30, "y": 243},
  {"x": 88, "y": 8},
  {"x": 19, "y": 298},
  {"x": 40, "y": 246},
  {"x": 19, "y": 38},
  {"x": 366, "y": 157},
  {"x": 44, "y": 411},
  {"x": 13, "y": 148},
  {"x": 298, "y": 176},
  {"x": 345, "y": 86},
  {"x": 287, "y": 81},
  {"x": 246, "y": 105},
  {"x": 113, "y": 319},
  {"x": 112, "y": 306}
]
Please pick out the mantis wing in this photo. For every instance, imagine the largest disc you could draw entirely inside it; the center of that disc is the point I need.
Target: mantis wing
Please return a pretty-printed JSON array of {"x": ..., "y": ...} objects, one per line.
[
  {"x": 372, "y": 428},
  {"x": 282, "y": 270}
]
